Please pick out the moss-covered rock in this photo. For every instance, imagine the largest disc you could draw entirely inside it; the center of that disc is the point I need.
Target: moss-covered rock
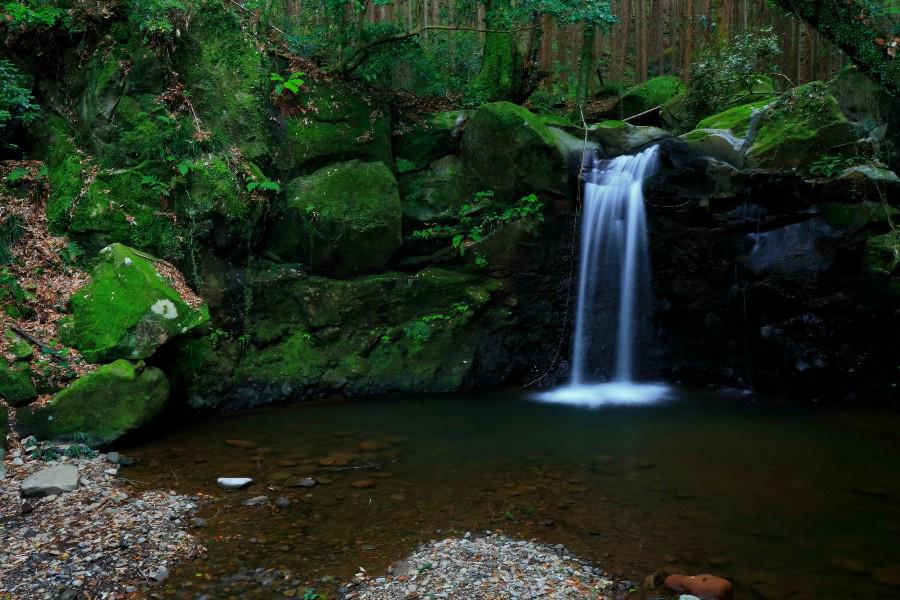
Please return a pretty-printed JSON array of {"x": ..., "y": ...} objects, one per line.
[
  {"x": 512, "y": 152},
  {"x": 65, "y": 171},
  {"x": 16, "y": 387},
  {"x": 736, "y": 120},
  {"x": 124, "y": 206},
  {"x": 883, "y": 254},
  {"x": 343, "y": 219},
  {"x": 377, "y": 333},
  {"x": 799, "y": 127},
  {"x": 334, "y": 123},
  {"x": 103, "y": 405},
  {"x": 432, "y": 137},
  {"x": 438, "y": 192},
  {"x": 128, "y": 310},
  {"x": 652, "y": 93},
  {"x": 228, "y": 79}
]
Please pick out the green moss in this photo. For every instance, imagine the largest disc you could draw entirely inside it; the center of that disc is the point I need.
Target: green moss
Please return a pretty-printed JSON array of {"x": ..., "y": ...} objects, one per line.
[
  {"x": 339, "y": 123},
  {"x": 882, "y": 255},
  {"x": 611, "y": 124},
  {"x": 122, "y": 206},
  {"x": 16, "y": 387},
  {"x": 799, "y": 127},
  {"x": 343, "y": 219},
  {"x": 653, "y": 92},
  {"x": 64, "y": 172},
  {"x": 736, "y": 119},
  {"x": 104, "y": 404},
  {"x": 128, "y": 310},
  {"x": 512, "y": 152},
  {"x": 500, "y": 76},
  {"x": 227, "y": 78}
]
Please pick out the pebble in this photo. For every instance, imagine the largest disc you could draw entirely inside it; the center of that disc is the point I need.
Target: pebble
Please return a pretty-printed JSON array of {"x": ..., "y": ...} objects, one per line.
[
  {"x": 363, "y": 484},
  {"x": 113, "y": 457},
  {"x": 708, "y": 587},
  {"x": 256, "y": 501},
  {"x": 282, "y": 502},
  {"x": 234, "y": 483}
]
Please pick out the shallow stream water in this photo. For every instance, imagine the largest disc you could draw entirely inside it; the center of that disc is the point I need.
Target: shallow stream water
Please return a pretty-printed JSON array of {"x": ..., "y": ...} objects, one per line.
[{"x": 785, "y": 501}]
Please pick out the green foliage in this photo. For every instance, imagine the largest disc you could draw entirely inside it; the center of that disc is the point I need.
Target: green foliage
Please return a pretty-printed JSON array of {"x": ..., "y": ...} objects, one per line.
[
  {"x": 31, "y": 14},
  {"x": 829, "y": 165},
  {"x": 310, "y": 594},
  {"x": 156, "y": 17},
  {"x": 728, "y": 73},
  {"x": 16, "y": 175},
  {"x": 291, "y": 84},
  {"x": 405, "y": 166},
  {"x": 266, "y": 185},
  {"x": 16, "y": 101}
]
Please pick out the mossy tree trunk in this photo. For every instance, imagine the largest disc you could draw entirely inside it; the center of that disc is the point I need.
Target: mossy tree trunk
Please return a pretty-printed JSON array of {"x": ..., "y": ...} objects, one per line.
[
  {"x": 839, "y": 21},
  {"x": 502, "y": 73}
]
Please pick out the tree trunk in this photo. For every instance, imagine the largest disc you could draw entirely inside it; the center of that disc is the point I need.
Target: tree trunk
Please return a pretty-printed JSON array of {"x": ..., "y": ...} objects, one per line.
[
  {"x": 585, "y": 66},
  {"x": 838, "y": 21},
  {"x": 502, "y": 73}
]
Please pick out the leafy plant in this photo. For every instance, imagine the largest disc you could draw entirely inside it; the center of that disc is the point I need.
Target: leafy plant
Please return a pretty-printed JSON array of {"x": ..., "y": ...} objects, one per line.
[
  {"x": 264, "y": 186},
  {"x": 727, "y": 72},
  {"x": 829, "y": 165},
  {"x": 32, "y": 14},
  {"x": 293, "y": 83},
  {"x": 310, "y": 594},
  {"x": 405, "y": 166},
  {"x": 72, "y": 254},
  {"x": 16, "y": 101},
  {"x": 16, "y": 175},
  {"x": 11, "y": 231},
  {"x": 155, "y": 184},
  {"x": 156, "y": 18}
]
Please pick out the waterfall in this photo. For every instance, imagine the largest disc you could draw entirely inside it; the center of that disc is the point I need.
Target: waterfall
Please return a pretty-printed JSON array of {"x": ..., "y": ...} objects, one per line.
[{"x": 613, "y": 310}]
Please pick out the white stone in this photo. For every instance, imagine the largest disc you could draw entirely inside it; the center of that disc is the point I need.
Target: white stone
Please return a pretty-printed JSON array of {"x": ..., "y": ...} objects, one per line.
[
  {"x": 234, "y": 483},
  {"x": 165, "y": 308}
]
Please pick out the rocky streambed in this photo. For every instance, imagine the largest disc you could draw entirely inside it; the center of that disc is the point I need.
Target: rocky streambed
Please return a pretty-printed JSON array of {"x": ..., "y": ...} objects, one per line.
[{"x": 78, "y": 528}]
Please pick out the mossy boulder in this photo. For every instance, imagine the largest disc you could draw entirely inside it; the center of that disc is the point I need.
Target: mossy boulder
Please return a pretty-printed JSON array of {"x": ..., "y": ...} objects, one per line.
[
  {"x": 128, "y": 310},
  {"x": 438, "y": 192},
  {"x": 334, "y": 122},
  {"x": 430, "y": 138},
  {"x": 512, "y": 152},
  {"x": 799, "y": 127},
  {"x": 103, "y": 405},
  {"x": 344, "y": 219},
  {"x": 16, "y": 387},
  {"x": 228, "y": 79},
  {"x": 650, "y": 94},
  {"x": 883, "y": 253}
]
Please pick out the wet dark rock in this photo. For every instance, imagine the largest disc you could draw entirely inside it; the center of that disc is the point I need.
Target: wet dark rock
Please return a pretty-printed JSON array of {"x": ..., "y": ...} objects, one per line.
[
  {"x": 282, "y": 502},
  {"x": 256, "y": 501}
]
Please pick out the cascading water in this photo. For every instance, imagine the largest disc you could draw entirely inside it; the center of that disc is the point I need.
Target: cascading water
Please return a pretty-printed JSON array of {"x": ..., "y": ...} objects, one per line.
[{"x": 612, "y": 314}]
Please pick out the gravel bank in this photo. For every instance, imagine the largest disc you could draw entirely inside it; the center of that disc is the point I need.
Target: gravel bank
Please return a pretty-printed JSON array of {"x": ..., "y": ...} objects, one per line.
[
  {"x": 101, "y": 540},
  {"x": 490, "y": 566}
]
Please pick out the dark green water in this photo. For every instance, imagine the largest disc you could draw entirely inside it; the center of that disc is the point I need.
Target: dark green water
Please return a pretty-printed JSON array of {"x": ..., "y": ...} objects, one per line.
[{"x": 786, "y": 501}]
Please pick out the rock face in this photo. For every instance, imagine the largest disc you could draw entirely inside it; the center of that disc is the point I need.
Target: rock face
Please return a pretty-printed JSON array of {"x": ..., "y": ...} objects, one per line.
[
  {"x": 52, "y": 480},
  {"x": 705, "y": 587},
  {"x": 129, "y": 310},
  {"x": 103, "y": 405},
  {"x": 438, "y": 192},
  {"x": 434, "y": 136},
  {"x": 344, "y": 219}
]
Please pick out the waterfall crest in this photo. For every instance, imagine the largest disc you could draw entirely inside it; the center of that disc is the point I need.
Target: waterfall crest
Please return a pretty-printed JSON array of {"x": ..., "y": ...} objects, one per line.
[{"x": 613, "y": 310}]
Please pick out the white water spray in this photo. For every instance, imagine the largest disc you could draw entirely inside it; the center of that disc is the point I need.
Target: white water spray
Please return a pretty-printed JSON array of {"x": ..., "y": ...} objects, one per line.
[{"x": 613, "y": 286}]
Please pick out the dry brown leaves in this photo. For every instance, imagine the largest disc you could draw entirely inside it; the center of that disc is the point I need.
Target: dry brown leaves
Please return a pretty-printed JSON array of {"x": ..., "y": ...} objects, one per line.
[{"x": 37, "y": 265}]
